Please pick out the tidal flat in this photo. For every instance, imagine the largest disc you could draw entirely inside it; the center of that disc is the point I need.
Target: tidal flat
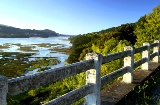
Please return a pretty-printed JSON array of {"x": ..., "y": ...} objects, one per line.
[
  {"x": 18, "y": 64},
  {"x": 26, "y": 56}
]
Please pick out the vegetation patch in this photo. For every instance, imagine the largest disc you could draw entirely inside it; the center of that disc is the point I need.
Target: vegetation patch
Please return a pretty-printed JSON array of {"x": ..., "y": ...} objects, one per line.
[
  {"x": 43, "y": 63},
  {"x": 17, "y": 44},
  {"x": 64, "y": 50},
  {"x": 28, "y": 48},
  {"x": 46, "y": 45},
  {"x": 4, "y": 46},
  {"x": 47, "y": 93}
]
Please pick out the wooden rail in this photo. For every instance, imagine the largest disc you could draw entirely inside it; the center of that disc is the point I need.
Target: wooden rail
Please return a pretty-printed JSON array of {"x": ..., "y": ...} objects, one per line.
[{"x": 92, "y": 67}]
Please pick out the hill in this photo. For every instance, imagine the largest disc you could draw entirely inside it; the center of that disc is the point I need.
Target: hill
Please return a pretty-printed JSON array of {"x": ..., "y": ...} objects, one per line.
[
  {"x": 103, "y": 42},
  {"x": 12, "y": 32}
]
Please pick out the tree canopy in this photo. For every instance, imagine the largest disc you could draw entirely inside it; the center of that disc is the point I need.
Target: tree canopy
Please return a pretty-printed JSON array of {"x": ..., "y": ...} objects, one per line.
[
  {"x": 102, "y": 42},
  {"x": 147, "y": 28}
]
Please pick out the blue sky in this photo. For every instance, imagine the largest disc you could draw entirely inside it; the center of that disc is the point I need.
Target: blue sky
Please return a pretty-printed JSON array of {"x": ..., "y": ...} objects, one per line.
[{"x": 73, "y": 16}]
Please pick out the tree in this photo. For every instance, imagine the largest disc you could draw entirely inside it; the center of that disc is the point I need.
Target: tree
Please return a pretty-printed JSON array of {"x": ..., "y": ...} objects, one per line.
[{"x": 147, "y": 29}]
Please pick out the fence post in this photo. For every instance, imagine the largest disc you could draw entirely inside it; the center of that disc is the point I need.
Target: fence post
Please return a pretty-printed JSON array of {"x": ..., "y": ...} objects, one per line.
[
  {"x": 3, "y": 90},
  {"x": 146, "y": 54},
  {"x": 93, "y": 76},
  {"x": 129, "y": 61},
  {"x": 156, "y": 49}
]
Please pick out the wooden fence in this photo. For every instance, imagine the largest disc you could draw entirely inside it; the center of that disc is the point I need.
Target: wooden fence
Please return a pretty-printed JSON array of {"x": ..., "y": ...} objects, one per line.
[{"x": 92, "y": 67}]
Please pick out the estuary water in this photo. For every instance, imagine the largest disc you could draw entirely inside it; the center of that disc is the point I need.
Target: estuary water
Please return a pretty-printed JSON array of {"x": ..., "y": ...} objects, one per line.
[{"x": 52, "y": 42}]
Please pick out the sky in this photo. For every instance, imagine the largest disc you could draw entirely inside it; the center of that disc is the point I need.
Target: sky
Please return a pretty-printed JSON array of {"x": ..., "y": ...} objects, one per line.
[{"x": 73, "y": 17}]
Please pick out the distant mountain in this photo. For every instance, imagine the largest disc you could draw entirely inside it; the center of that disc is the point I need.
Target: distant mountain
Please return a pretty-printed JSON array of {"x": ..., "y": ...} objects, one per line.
[
  {"x": 12, "y": 32},
  {"x": 67, "y": 35}
]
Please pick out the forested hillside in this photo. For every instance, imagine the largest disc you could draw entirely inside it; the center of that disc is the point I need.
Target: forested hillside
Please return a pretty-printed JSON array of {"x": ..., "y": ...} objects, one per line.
[
  {"x": 105, "y": 41},
  {"x": 146, "y": 29},
  {"x": 12, "y": 32}
]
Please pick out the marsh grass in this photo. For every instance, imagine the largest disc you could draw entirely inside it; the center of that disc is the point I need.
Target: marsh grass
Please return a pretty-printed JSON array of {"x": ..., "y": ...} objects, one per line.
[
  {"x": 17, "y": 44},
  {"x": 63, "y": 50},
  {"x": 4, "y": 46},
  {"x": 28, "y": 48},
  {"x": 46, "y": 44}
]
